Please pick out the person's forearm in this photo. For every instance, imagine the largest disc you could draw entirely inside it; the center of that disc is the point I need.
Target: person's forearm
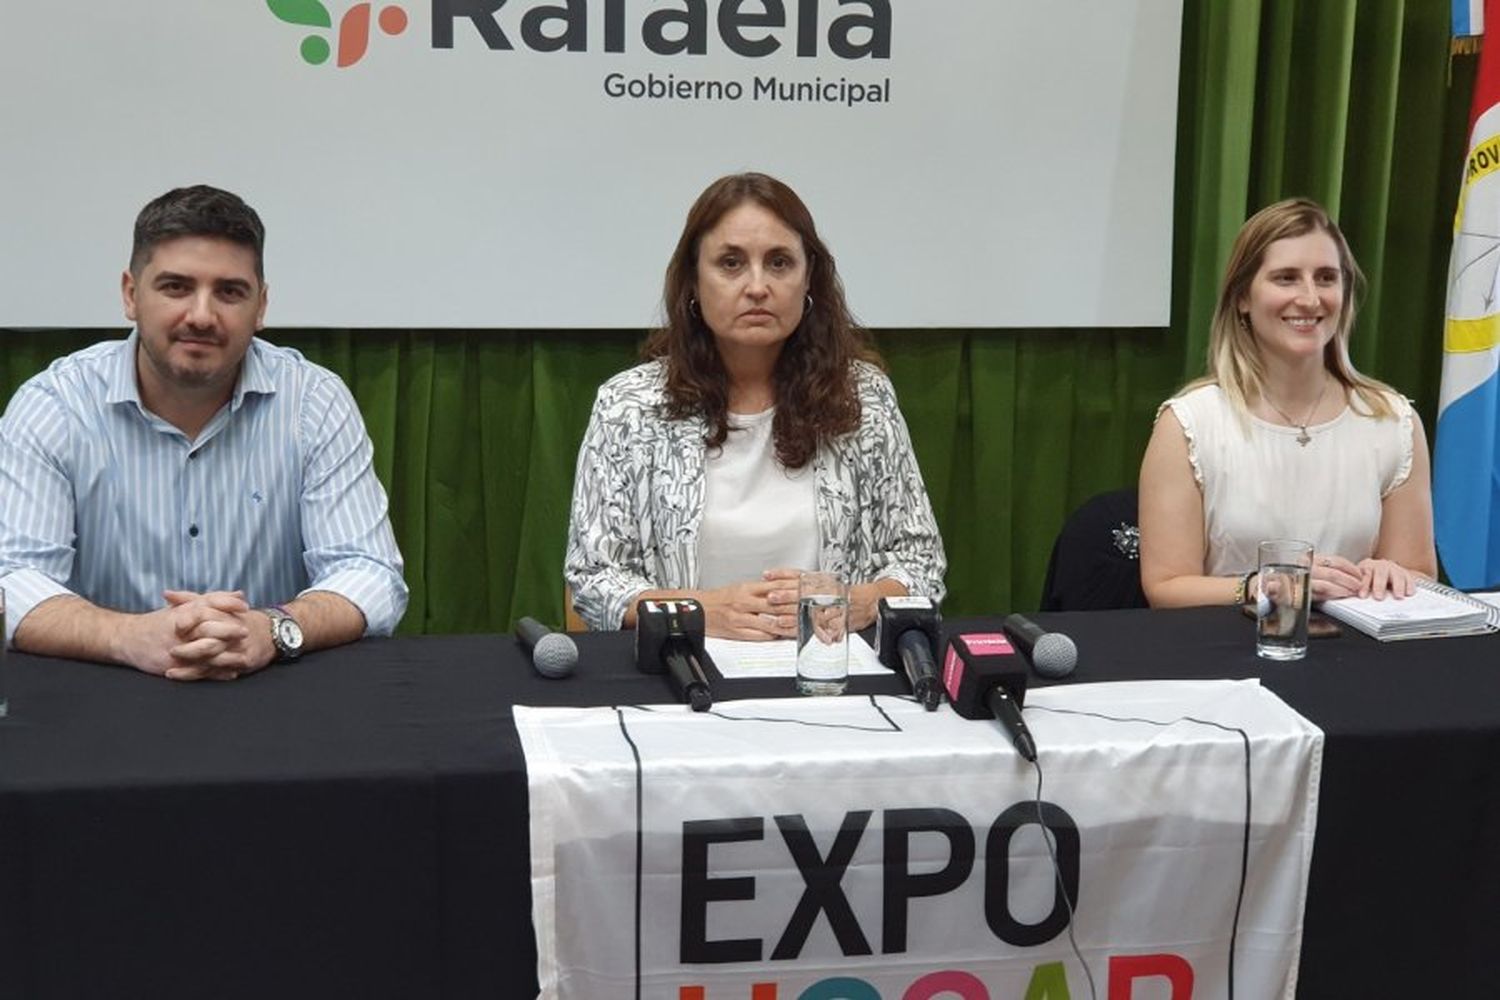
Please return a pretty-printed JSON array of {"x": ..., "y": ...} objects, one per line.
[
  {"x": 327, "y": 619},
  {"x": 70, "y": 627},
  {"x": 1193, "y": 591}
]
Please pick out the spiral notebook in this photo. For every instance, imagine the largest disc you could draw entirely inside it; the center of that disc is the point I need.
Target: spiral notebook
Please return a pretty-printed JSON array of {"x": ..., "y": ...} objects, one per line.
[{"x": 1434, "y": 610}]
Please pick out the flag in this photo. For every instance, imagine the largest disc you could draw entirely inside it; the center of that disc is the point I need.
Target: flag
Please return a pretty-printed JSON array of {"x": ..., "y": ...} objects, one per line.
[
  {"x": 1468, "y": 18},
  {"x": 1466, "y": 459}
]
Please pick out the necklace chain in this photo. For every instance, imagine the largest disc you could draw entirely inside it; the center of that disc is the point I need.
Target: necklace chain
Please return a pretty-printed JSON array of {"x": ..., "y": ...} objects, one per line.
[{"x": 1302, "y": 436}]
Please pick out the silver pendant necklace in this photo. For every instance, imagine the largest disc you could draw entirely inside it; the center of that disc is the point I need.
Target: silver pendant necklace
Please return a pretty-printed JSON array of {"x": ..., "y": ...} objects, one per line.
[{"x": 1302, "y": 436}]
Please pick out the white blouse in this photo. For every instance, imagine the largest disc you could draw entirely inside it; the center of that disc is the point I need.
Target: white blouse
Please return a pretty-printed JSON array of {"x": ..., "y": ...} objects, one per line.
[
  {"x": 757, "y": 515},
  {"x": 1258, "y": 482}
]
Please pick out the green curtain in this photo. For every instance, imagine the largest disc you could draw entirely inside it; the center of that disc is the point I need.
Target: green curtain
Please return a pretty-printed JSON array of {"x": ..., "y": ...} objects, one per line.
[{"x": 1355, "y": 104}]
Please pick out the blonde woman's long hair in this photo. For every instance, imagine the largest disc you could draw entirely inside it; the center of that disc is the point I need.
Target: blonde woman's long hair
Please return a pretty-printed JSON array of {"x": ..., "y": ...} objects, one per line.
[{"x": 1234, "y": 360}]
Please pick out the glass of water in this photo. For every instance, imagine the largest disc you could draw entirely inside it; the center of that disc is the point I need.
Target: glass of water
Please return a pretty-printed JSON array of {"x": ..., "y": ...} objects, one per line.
[
  {"x": 1283, "y": 598},
  {"x": 822, "y": 633}
]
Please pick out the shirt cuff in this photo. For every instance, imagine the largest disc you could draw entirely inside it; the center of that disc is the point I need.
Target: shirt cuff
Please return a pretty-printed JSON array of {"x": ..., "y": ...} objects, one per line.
[
  {"x": 24, "y": 590},
  {"x": 606, "y": 611}
]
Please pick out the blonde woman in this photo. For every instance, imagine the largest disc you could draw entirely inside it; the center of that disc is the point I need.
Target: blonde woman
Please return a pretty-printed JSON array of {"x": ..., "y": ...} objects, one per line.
[{"x": 1283, "y": 438}]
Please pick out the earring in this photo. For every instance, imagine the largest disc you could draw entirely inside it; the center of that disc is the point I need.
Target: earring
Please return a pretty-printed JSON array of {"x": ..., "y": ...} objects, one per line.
[
  {"x": 1244, "y": 321},
  {"x": 692, "y": 307},
  {"x": 809, "y": 306}
]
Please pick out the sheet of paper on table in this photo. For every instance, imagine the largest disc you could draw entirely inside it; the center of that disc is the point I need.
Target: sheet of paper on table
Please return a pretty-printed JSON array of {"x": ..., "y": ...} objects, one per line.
[
  {"x": 1492, "y": 598},
  {"x": 736, "y": 659}
]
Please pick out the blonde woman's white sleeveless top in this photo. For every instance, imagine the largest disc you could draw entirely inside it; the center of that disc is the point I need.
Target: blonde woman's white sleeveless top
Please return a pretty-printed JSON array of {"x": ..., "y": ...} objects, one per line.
[{"x": 1258, "y": 482}]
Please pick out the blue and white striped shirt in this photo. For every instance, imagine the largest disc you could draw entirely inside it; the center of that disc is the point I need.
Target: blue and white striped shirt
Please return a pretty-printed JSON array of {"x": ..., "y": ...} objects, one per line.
[{"x": 277, "y": 496}]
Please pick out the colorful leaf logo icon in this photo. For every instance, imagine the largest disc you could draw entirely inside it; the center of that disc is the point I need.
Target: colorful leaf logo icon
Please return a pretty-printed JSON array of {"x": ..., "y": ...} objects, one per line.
[
  {"x": 354, "y": 27},
  {"x": 308, "y": 12},
  {"x": 312, "y": 14},
  {"x": 354, "y": 30}
]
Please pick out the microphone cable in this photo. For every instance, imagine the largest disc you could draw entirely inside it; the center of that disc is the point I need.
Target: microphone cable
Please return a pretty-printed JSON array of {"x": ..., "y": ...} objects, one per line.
[
  {"x": 1057, "y": 879},
  {"x": 1239, "y": 899}
]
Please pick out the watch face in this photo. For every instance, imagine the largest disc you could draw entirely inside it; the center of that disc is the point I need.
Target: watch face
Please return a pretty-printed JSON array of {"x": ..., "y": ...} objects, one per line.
[{"x": 289, "y": 633}]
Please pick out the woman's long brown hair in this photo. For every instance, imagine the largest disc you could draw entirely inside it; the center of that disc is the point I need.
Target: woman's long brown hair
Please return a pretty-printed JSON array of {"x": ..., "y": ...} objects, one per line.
[{"x": 816, "y": 395}]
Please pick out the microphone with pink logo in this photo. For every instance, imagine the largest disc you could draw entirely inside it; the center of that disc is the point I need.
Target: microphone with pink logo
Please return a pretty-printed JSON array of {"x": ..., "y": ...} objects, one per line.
[{"x": 985, "y": 679}]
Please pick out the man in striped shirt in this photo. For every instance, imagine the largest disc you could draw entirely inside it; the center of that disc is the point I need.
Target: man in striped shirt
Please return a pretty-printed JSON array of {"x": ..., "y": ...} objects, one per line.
[{"x": 192, "y": 501}]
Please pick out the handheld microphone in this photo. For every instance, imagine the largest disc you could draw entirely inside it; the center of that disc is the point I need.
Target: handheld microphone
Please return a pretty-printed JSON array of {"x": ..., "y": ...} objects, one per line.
[
  {"x": 985, "y": 679},
  {"x": 552, "y": 653},
  {"x": 1052, "y": 654},
  {"x": 669, "y": 639},
  {"x": 906, "y": 633}
]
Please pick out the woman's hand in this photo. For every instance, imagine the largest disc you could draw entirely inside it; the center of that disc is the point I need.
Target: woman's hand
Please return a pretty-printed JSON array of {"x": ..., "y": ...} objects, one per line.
[
  {"x": 756, "y": 610},
  {"x": 864, "y": 598},
  {"x": 1335, "y": 576},
  {"x": 1382, "y": 576},
  {"x": 767, "y": 608}
]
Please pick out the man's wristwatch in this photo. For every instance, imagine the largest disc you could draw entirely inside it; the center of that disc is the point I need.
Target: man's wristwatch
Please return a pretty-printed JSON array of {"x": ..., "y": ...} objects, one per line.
[{"x": 286, "y": 634}]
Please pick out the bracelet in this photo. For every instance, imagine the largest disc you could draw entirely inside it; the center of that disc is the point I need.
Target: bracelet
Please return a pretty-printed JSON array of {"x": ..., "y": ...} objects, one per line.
[{"x": 1242, "y": 587}]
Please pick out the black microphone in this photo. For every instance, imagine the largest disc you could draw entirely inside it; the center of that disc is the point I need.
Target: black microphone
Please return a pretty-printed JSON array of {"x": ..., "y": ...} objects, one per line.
[
  {"x": 986, "y": 680},
  {"x": 552, "y": 653},
  {"x": 669, "y": 639},
  {"x": 1052, "y": 654},
  {"x": 906, "y": 634}
]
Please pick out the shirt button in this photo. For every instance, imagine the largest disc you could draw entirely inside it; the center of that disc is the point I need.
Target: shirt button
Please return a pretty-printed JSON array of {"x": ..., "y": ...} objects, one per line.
[{"x": 192, "y": 531}]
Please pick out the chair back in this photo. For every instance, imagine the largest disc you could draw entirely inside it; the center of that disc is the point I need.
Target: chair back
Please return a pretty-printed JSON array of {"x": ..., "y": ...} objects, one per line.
[
  {"x": 572, "y": 622},
  {"x": 1095, "y": 564}
]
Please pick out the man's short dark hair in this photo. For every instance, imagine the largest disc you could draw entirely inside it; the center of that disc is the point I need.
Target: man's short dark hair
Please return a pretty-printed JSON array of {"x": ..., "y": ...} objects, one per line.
[{"x": 199, "y": 210}]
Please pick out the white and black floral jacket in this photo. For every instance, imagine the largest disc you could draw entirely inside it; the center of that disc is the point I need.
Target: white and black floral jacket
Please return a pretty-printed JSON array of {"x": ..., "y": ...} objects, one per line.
[{"x": 638, "y": 498}]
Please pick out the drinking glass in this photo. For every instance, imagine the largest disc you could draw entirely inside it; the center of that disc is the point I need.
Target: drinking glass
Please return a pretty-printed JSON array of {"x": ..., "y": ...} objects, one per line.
[
  {"x": 822, "y": 633},
  {"x": 1283, "y": 598}
]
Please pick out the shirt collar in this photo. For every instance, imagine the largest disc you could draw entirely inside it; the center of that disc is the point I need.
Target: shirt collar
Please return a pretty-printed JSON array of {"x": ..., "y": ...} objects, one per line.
[
  {"x": 255, "y": 375},
  {"x": 122, "y": 387}
]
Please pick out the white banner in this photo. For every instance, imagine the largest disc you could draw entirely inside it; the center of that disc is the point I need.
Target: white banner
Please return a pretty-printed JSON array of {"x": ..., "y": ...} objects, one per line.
[
  {"x": 528, "y": 164},
  {"x": 861, "y": 848}
]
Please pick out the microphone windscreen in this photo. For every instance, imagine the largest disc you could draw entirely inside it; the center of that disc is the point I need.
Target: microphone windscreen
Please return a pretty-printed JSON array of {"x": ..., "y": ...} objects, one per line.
[
  {"x": 1054, "y": 655},
  {"x": 554, "y": 655},
  {"x": 1051, "y": 654}
]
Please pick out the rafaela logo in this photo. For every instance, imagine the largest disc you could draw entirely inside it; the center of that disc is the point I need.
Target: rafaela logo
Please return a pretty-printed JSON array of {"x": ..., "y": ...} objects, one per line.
[{"x": 354, "y": 28}]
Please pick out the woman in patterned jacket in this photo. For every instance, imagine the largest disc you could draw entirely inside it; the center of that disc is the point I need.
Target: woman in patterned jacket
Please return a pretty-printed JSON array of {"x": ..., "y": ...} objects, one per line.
[{"x": 759, "y": 438}]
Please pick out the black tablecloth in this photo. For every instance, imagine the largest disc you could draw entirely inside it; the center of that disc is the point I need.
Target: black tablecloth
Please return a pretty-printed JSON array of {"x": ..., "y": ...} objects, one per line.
[{"x": 355, "y": 825}]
